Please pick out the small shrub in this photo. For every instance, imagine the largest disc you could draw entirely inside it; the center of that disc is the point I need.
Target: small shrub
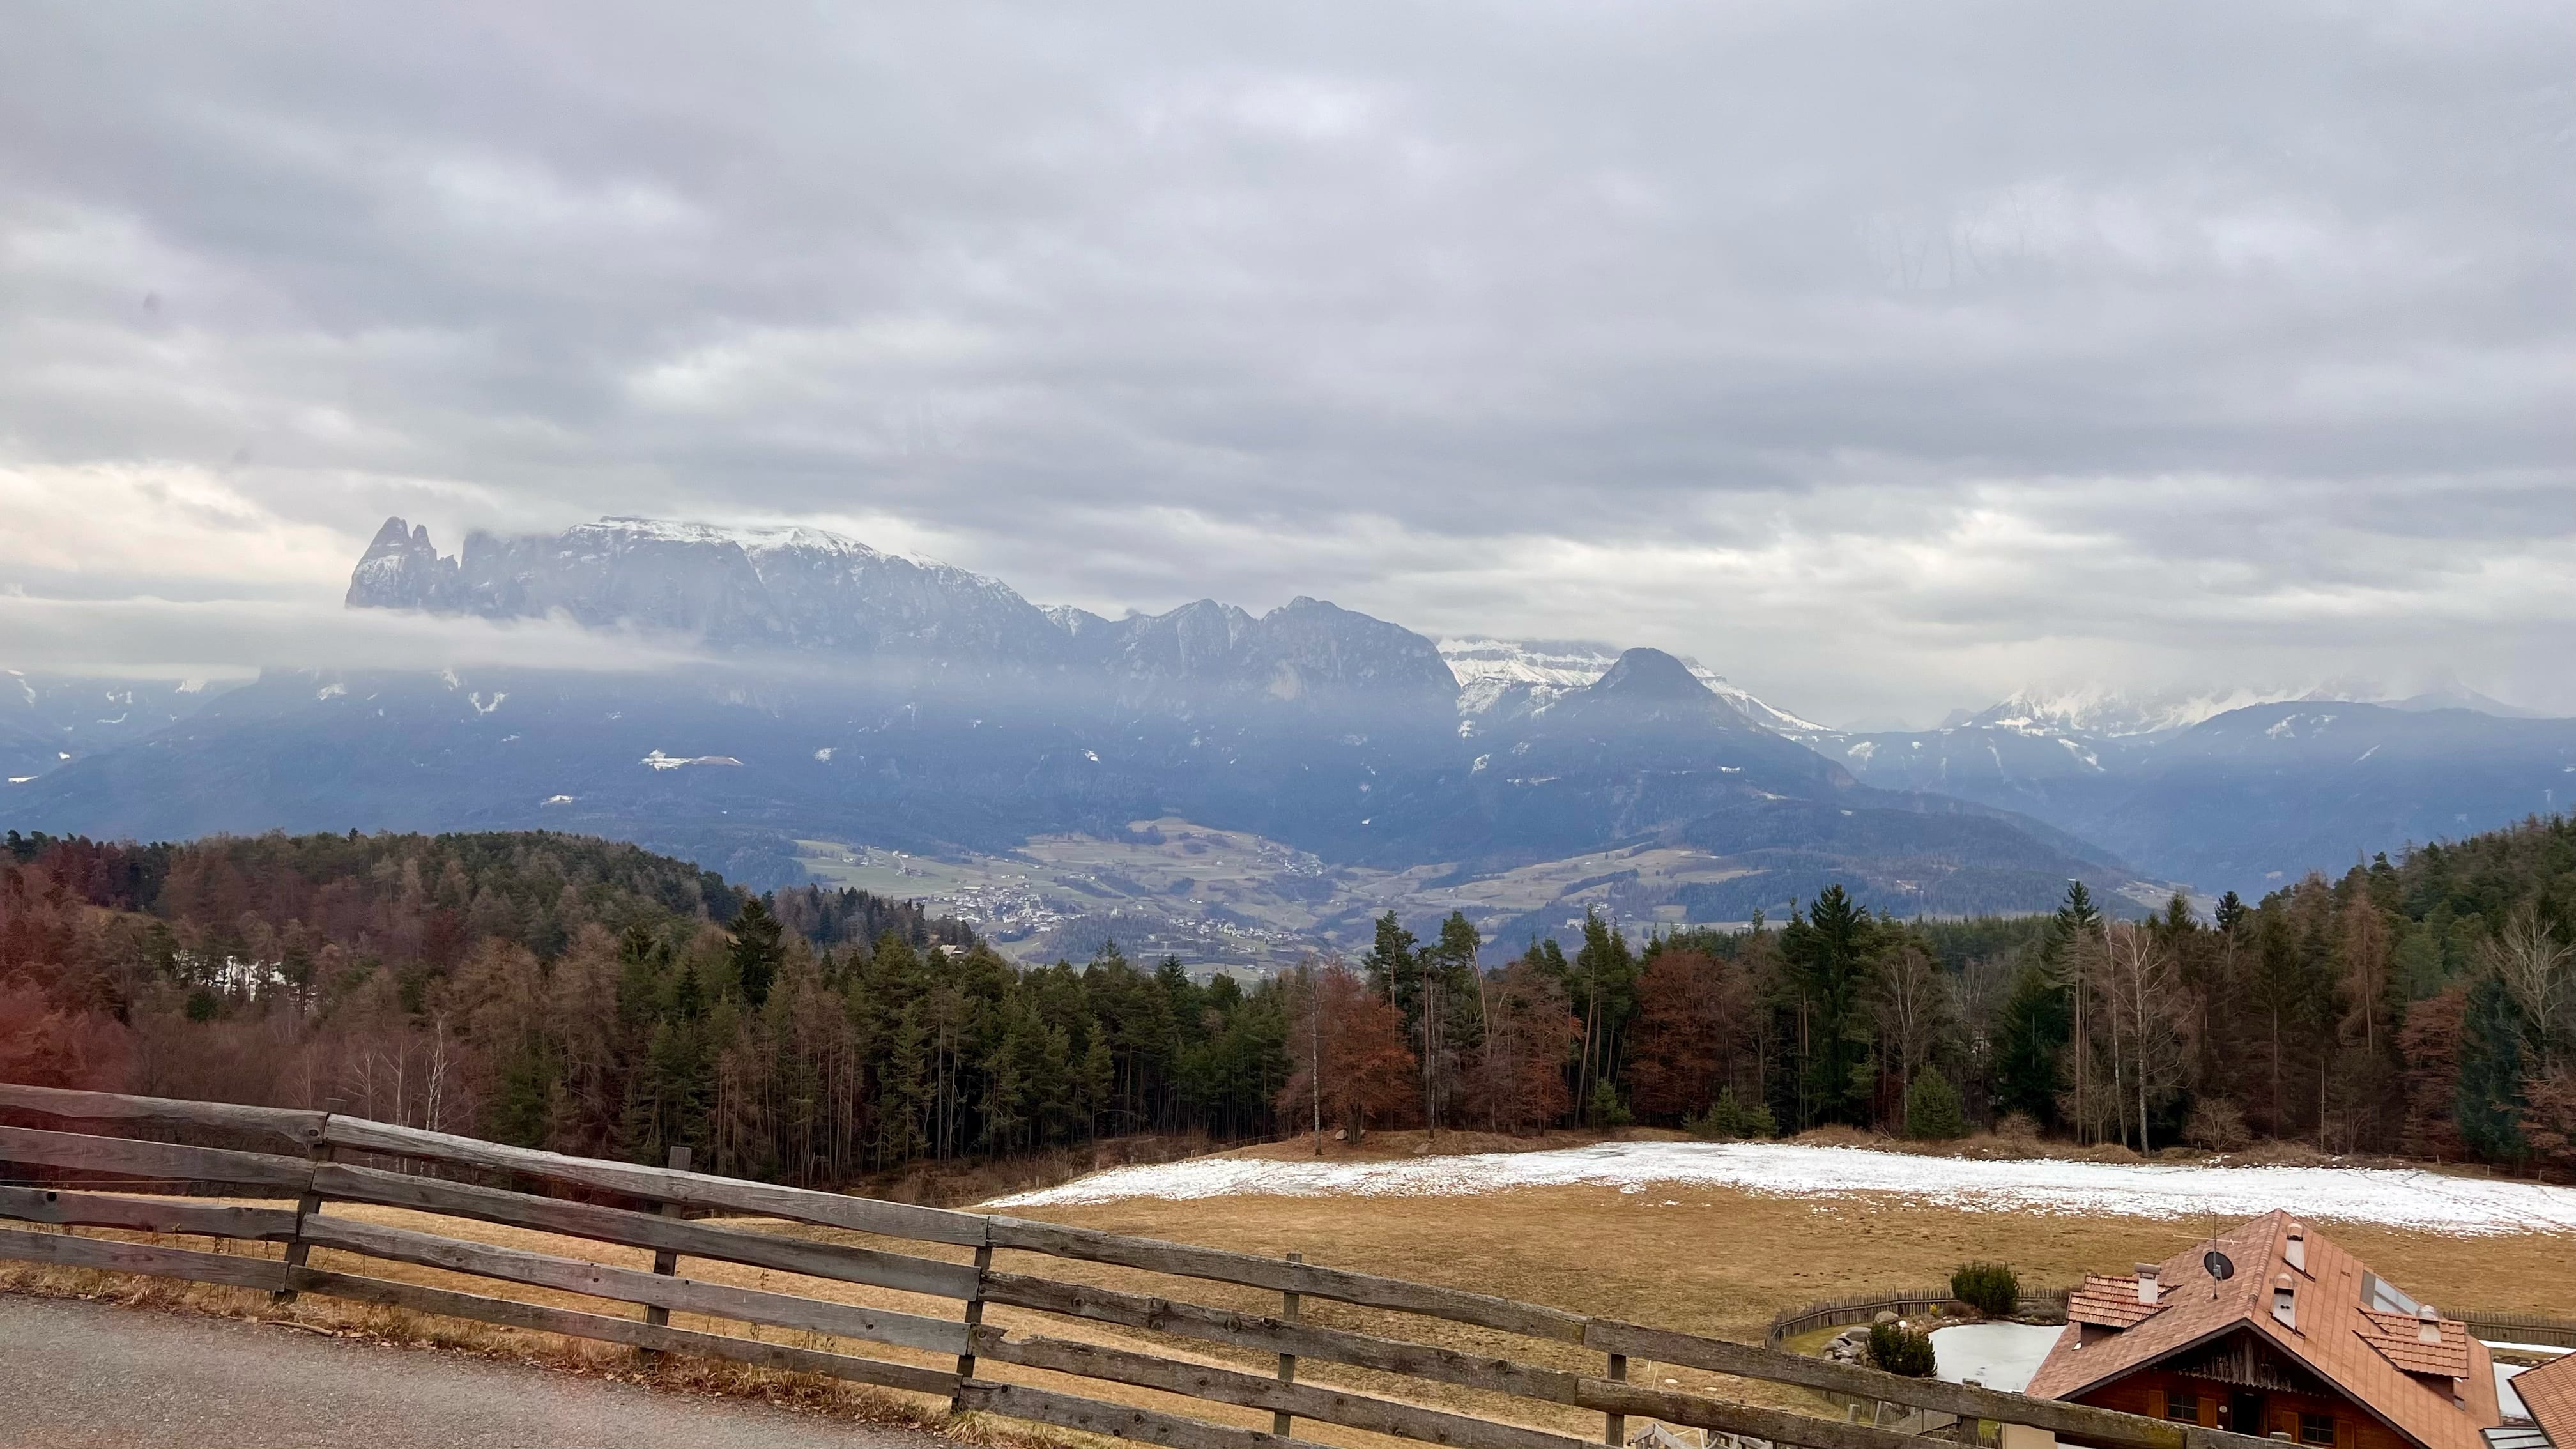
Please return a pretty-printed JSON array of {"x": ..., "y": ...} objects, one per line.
[
  {"x": 1992, "y": 1289},
  {"x": 1728, "y": 1120},
  {"x": 1932, "y": 1110},
  {"x": 1607, "y": 1109},
  {"x": 2217, "y": 1125},
  {"x": 2017, "y": 1127},
  {"x": 1901, "y": 1349}
]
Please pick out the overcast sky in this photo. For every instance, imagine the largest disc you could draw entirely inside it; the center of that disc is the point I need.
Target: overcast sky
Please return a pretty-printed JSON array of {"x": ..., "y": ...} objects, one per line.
[{"x": 1884, "y": 357}]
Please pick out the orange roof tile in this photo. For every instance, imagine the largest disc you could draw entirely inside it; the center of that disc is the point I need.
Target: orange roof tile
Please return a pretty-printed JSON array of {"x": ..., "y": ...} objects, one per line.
[
  {"x": 2335, "y": 1336},
  {"x": 2549, "y": 1392},
  {"x": 2395, "y": 1335},
  {"x": 2109, "y": 1303}
]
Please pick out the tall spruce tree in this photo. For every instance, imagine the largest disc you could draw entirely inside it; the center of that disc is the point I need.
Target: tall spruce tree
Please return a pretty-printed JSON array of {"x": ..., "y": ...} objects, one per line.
[
  {"x": 755, "y": 951},
  {"x": 1827, "y": 949}
]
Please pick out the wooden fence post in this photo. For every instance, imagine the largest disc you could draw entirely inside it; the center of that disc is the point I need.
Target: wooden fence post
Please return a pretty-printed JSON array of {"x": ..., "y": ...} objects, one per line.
[
  {"x": 974, "y": 1319},
  {"x": 665, "y": 1261},
  {"x": 1279, "y": 1421},
  {"x": 297, "y": 1249},
  {"x": 1614, "y": 1427}
]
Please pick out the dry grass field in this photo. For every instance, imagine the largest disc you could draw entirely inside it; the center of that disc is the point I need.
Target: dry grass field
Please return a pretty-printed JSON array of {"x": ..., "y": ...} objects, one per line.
[{"x": 1714, "y": 1262}]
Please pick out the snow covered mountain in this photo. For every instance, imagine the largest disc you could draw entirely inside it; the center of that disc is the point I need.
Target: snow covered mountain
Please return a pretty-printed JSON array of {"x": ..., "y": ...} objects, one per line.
[
  {"x": 779, "y": 588},
  {"x": 2238, "y": 790},
  {"x": 2117, "y": 714},
  {"x": 751, "y": 592},
  {"x": 2099, "y": 712},
  {"x": 849, "y": 693},
  {"x": 1507, "y": 678}
]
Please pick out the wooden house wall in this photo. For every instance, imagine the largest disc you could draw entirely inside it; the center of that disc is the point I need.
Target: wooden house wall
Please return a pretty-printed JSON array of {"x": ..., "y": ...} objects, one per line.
[{"x": 2144, "y": 1392}]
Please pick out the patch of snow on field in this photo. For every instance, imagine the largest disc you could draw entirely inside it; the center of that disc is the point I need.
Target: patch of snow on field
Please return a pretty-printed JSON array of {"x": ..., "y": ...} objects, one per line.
[{"x": 2455, "y": 1205}]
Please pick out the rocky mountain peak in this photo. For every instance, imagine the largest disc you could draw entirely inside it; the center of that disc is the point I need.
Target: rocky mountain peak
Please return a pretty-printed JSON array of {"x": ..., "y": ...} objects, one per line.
[
  {"x": 1651, "y": 674},
  {"x": 400, "y": 570}
]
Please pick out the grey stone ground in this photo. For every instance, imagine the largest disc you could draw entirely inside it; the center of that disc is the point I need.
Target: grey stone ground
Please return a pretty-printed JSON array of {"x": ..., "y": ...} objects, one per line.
[{"x": 77, "y": 1375}]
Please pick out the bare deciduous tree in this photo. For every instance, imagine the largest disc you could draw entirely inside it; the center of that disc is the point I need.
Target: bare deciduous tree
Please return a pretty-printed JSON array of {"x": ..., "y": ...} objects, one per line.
[{"x": 2533, "y": 964}]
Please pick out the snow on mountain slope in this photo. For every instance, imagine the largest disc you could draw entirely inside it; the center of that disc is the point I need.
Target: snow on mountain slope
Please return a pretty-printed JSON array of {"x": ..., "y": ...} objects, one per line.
[
  {"x": 2103, "y": 711},
  {"x": 1540, "y": 672}
]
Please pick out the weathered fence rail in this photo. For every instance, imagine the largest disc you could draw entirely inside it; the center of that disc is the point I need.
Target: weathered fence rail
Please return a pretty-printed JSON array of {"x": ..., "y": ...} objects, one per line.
[{"x": 320, "y": 1173}]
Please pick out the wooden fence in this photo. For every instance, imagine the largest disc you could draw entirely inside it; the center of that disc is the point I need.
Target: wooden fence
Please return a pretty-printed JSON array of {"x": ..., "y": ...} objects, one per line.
[
  {"x": 2519, "y": 1327},
  {"x": 318, "y": 1158},
  {"x": 2043, "y": 1304}
]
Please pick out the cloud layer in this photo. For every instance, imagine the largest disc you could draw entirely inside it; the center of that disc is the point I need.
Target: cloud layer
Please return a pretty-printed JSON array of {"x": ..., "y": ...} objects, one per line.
[{"x": 1885, "y": 358}]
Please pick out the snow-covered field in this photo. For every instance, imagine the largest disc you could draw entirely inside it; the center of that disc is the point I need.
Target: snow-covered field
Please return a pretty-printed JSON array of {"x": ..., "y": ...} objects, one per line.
[{"x": 2422, "y": 1200}]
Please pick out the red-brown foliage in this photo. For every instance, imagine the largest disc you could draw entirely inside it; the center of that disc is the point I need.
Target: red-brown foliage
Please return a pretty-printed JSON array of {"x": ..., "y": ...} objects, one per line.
[
  {"x": 41, "y": 1046},
  {"x": 1518, "y": 1078},
  {"x": 1696, "y": 1011},
  {"x": 2430, "y": 1042},
  {"x": 1367, "y": 1071}
]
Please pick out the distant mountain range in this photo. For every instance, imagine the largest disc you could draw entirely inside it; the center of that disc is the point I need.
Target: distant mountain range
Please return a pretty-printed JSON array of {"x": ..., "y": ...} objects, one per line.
[
  {"x": 46, "y": 723},
  {"x": 854, "y": 698}
]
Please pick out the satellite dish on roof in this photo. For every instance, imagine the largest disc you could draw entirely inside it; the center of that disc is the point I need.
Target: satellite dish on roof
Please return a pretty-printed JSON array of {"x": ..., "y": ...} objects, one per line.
[{"x": 2217, "y": 1264}]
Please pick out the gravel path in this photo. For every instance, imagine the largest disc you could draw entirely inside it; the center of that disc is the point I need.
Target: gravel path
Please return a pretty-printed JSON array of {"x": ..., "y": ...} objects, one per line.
[{"x": 76, "y": 1375}]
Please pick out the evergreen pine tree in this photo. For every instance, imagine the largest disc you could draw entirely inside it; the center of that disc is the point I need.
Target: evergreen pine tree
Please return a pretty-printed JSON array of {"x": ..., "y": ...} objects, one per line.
[
  {"x": 2035, "y": 1024},
  {"x": 1932, "y": 1109},
  {"x": 1827, "y": 950},
  {"x": 755, "y": 951}
]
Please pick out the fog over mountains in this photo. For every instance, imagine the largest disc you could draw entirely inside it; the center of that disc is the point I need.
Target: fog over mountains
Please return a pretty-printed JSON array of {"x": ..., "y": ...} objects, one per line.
[{"x": 1227, "y": 785}]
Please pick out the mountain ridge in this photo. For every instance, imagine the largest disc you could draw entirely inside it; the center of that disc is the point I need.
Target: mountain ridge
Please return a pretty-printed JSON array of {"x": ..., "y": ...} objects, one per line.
[{"x": 857, "y": 695}]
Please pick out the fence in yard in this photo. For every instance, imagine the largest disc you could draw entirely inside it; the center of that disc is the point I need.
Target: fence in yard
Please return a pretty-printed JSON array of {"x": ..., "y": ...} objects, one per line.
[
  {"x": 318, "y": 1158},
  {"x": 2519, "y": 1327},
  {"x": 2038, "y": 1304}
]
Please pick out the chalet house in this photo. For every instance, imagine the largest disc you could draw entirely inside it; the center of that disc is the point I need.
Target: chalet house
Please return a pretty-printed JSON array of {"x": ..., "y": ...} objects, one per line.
[{"x": 2301, "y": 1342}]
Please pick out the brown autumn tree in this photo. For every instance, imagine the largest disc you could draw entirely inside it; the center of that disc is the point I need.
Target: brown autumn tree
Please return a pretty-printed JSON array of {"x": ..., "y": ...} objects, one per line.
[
  {"x": 1695, "y": 1012},
  {"x": 41, "y": 1046},
  {"x": 1348, "y": 1061},
  {"x": 2549, "y": 1116},
  {"x": 1516, "y": 1081},
  {"x": 2430, "y": 1042}
]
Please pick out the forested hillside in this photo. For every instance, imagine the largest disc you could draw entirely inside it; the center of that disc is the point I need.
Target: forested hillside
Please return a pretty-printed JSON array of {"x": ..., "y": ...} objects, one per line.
[
  {"x": 2426, "y": 1005},
  {"x": 585, "y": 996}
]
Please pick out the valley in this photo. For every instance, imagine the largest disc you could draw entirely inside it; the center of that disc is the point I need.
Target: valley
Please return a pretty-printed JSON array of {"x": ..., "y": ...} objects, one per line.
[
  {"x": 1229, "y": 787},
  {"x": 1228, "y": 900}
]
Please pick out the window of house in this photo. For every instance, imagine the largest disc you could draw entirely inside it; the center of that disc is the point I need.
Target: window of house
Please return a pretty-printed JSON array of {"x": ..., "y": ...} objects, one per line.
[
  {"x": 2384, "y": 1296},
  {"x": 2182, "y": 1406},
  {"x": 2316, "y": 1429}
]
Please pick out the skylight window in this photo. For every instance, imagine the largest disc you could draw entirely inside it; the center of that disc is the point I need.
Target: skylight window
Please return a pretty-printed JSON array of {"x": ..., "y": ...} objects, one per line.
[{"x": 2385, "y": 1297}]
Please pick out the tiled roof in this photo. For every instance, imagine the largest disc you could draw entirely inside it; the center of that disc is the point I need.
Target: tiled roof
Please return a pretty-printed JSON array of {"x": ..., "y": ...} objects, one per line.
[
  {"x": 2549, "y": 1392},
  {"x": 2336, "y": 1336},
  {"x": 2395, "y": 1336},
  {"x": 2109, "y": 1303}
]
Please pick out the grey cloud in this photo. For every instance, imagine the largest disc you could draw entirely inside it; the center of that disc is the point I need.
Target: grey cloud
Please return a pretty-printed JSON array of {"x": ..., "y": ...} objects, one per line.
[
  {"x": 2203, "y": 338},
  {"x": 146, "y": 637}
]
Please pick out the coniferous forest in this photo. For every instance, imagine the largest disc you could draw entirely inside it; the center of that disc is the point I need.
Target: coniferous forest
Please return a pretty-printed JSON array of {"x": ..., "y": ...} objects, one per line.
[{"x": 590, "y": 997}]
